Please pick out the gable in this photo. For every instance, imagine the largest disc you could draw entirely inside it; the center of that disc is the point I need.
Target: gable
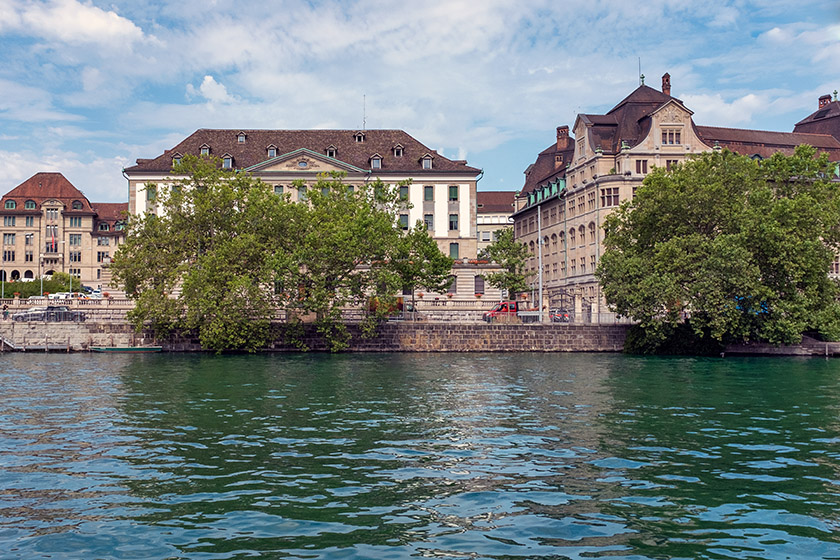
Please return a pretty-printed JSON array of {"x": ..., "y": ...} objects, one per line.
[{"x": 302, "y": 161}]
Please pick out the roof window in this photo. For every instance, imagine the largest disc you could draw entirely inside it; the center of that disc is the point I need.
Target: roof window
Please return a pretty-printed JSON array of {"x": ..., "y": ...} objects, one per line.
[
  {"x": 271, "y": 151},
  {"x": 227, "y": 161},
  {"x": 30, "y": 205},
  {"x": 11, "y": 205},
  {"x": 360, "y": 137},
  {"x": 376, "y": 161},
  {"x": 204, "y": 150},
  {"x": 398, "y": 150},
  {"x": 77, "y": 205},
  {"x": 240, "y": 138}
]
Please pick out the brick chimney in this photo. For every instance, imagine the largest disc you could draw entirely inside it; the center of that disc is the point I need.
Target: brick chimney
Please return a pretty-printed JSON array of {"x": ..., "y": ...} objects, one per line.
[
  {"x": 824, "y": 100},
  {"x": 562, "y": 137},
  {"x": 666, "y": 84}
]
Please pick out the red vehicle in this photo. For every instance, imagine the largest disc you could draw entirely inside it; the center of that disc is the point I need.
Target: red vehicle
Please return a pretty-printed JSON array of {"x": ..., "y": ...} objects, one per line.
[{"x": 506, "y": 310}]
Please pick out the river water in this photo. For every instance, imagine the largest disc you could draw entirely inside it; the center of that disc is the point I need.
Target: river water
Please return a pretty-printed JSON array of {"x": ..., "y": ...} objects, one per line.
[{"x": 413, "y": 455}]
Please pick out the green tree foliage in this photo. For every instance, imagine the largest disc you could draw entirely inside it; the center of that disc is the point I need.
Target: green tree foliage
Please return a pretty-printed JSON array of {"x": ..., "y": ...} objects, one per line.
[
  {"x": 418, "y": 262},
  {"x": 224, "y": 254},
  {"x": 511, "y": 256},
  {"x": 740, "y": 247},
  {"x": 53, "y": 284}
]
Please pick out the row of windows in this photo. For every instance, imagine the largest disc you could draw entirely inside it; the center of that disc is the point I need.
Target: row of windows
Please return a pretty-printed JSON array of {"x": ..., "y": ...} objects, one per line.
[
  {"x": 428, "y": 192},
  {"x": 555, "y": 270},
  {"x": 75, "y": 239},
  {"x": 575, "y": 234},
  {"x": 429, "y": 221},
  {"x": 32, "y": 205},
  {"x": 75, "y": 221}
]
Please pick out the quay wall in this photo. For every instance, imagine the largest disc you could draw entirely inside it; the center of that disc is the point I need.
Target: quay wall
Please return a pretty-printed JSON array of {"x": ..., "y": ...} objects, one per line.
[{"x": 394, "y": 336}]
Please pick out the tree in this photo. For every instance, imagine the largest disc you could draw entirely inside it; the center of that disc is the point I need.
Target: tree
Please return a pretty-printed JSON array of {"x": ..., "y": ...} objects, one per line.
[
  {"x": 511, "y": 257},
  {"x": 418, "y": 262},
  {"x": 742, "y": 248}
]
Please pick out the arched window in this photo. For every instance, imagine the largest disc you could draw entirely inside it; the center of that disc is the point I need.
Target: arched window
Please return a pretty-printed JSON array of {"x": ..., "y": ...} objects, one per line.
[
  {"x": 77, "y": 205},
  {"x": 592, "y": 232},
  {"x": 572, "y": 238},
  {"x": 582, "y": 232},
  {"x": 562, "y": 240},
  {"x": 553, "y": 242},
  {"x": 479, "y": 284},
  {"x": 11, "y": 205},
  {"x": 545, "y": 245},
  {"x": 30, "y": 205},
  {"x": 531, "y": 247},
  {"x": 104, "y": 227}
]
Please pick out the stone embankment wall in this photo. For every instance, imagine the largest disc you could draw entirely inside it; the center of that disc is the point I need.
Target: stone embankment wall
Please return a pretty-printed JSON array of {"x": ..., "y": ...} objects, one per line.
[{"x": 392, "y": 337}]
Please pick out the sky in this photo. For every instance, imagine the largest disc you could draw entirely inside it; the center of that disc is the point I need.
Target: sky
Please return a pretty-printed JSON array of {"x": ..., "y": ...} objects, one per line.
[{"x": 87, "y": 87}]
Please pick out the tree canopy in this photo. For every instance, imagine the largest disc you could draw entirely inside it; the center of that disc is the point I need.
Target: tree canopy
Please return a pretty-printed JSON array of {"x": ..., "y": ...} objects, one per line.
[
  {"x": 511, "y": 257},
  {"x": 741, "y": 248},
  {"x": 223, "y": 254}
]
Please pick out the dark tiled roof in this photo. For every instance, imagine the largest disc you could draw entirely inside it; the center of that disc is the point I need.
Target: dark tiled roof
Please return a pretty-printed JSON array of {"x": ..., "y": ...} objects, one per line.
[
  {"x": 495, "y": 201},
  {"x": 111, "y": 211},
  {"x": 765, "y": 143},
  {"x": 254, "y": 150},
  {"x": 544, "y": 169},
  {"x": 825, "y": 120},
  {"x": 44, "y": 186}
]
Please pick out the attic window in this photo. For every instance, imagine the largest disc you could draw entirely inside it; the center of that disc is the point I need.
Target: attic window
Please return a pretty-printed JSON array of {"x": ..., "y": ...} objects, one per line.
[
  {"x": 119, "y": 226},
  {"x": 332, "y": 152},
  {"x": 205, "y": 150},
  {"x": 29, "y": 205},
  {"x": 176, "y": 159},
  {"x": 240, "y": 138},
  {"x": 427, "y": 162},
  {"x": 360, "y": 137},
  {"x": 376, "y": 162},
  {"x": 303, "y": 164},
  {"x": 104, "y": 227},
  {"x": 11, "y": 205},
  {"x": 398, "y": 151},
  {"x": 671, "y": 136},
  {"x": 77, "y": 205},
  {"x": 227, "y": 162},
  {"x": 272, "y": 151}
]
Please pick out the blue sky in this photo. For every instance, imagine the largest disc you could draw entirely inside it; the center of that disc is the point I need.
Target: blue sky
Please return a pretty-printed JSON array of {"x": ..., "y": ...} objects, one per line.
[{"x": 89, "y": 86}]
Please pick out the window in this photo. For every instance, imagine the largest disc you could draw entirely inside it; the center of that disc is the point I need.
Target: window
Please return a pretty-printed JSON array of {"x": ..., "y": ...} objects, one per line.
[
  {"x": 204, "y": 150},
  {"x": 302, "y": 192},
  {"x": 77, "y": 205},
  {"x": 332, "y": 152},
  {"x": 227, "y": 162},
  {"x": 75, "y": 221},
  {"x": 590, "y": 201},
  {"x": 671, "y": 136},
  {"x": 10, "y": 205},
  {"x": 375, "y": 163},
  {"x": 278, "y": 189},
  {"x": 428, "y": 193},
  {"x": 453, "y": 222},
  {"x": 669, "y": 163},
  {"x": 75, "y": 256},
  {"x": 592, "y": 232},
  {"x": 641, "y": 166},
  {"x": 580, "y": 148},
  {"x": 403, "y": 192},
  {"x": 427, "y": 163},
  {"x": 29, "y": 256},
  {"x": 101, "y": 241},
  {"x": 404, "y": 221},
  {"x": 582, "y": 234},
  {"x": 29, "y": 239},
  {"x": 582, "y": 265},
  {"x": 479, "y": 284},
  {"x": 241, "y": 138},
  {"x": 8, "y": 239},
  {"x": 8, "y": 221},
  {"x": 429, "y": 220},
  {"x": 360, "y": 137},
  {"x": 573, "y": 266},
  {"x": 52, "y": 214},
  {"x": 453, "y": 280},
  {"x": 398, "y": 151},
  {"x": 119, "y": 226},
  {"x": 151, "y": 192},
  {"x": 485, "y": 236},
  {"x": 572, "y": 238},
  {"x": 581, "y": 206},
  {"x": 77, "y": 272},
  {"x": 8, "y": 256},
  {"x": 29, "y": 205},
  {"x": 453, "y": 193},
  {"x": 609, "y": 197},
  {"x": 76, "y": 239},
  {"x": 303, "y": 164},
  {"x": 272, "y": 151},
  {"x": 592, "y": 262},
  {"x": 176, "y": 160},
  {"x": 104, "y": 227},
  {"x": 30, "y": 221},
  {"x": 102, "y": 256}
]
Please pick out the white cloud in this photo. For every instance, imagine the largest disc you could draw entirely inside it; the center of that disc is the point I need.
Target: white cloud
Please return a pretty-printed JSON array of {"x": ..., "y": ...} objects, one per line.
[
  {"x": 714, "y": 110},
  {"x": 212, "y": 91},
  {"x": 72, "y": 22},
  {"x": 29, "y": 104}
]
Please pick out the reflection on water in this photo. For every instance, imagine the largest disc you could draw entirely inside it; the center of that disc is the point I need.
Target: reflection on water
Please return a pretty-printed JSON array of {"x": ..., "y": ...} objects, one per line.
[{"x": 396, "y": 456}]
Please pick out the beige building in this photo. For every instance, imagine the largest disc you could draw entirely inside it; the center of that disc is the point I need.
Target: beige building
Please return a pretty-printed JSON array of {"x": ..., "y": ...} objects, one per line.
[
  {"x": 575, "y": 183},
  {"x": 50, "y": 226},
  {"x": 493, "y": 212},
  {"x": 442, "y": 191}
]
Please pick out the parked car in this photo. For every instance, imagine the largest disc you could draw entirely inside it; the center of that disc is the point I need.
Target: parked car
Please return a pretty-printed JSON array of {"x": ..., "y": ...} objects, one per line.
[
  {"x": 51, "y": 313},
  {"x": 510, "y": 310},
  {"x": 560, "y": 316}
]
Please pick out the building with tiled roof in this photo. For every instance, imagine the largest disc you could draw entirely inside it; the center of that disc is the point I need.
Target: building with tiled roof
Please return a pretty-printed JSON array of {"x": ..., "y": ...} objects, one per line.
[
  {"x": 493, "y": 211},
  {"x": 49, "y": 225},
  {"x": 442, "y": 191},
  {"x": 563, "y": 203}
]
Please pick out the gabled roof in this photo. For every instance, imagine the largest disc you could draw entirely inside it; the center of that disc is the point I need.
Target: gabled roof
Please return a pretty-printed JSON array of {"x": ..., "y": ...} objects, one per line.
[
  {"x": 495, "y": 202},
  {"x": 825, "y": 120},
  {"x": 297, "y": 154},
  {"x": 546, "y": 167},
  {"x": 357, "y": 154},
  {"x": 765, "y": 143},
  {"x": 47, "y": 186}
]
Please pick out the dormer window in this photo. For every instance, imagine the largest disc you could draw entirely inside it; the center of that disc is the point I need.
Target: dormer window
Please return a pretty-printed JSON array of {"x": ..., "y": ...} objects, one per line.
[
  {"x": 376, "y": 161},
  {"x": 227, "y": 161},
  {"x": 332, "y": 152},
  {"x": 427, "y": 162},
  {"x": 119, "y": 226},
  {"x": 360, "y": 137},
  {"x": 398, "y": 151},
  {"x": 29, "y": 205},
  {"x": 104, "y": 227},
  {"x": 204, "y": 150},
  {"x": 271, "y": 151},
  {"x": 10, "y": 205},
  {"x": 240, "y": 138},
  {"x": 77, "y": 205},
  {"x": 176, "y": 159}
]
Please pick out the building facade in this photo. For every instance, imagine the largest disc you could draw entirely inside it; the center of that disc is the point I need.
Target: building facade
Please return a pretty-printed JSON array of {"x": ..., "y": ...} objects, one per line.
[
  {"x": 575, "y": 183},
  {"x": 493, "y": 213},
  {"x": 50, "y": 226},
  {"x": 442, "y": 192}
]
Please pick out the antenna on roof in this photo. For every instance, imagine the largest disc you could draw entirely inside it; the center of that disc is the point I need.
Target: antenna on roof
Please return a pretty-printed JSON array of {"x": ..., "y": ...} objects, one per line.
[{"x": 641, "y": 76}]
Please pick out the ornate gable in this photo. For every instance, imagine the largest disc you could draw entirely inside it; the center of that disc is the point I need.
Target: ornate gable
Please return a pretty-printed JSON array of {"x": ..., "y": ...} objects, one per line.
[{"x": 302, "y": 161}]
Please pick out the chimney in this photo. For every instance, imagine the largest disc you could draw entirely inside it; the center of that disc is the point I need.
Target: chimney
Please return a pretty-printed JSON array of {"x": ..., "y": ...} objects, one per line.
[
  {"x": 666, "y": 84},
  {"x": 562, "y": 137},
  {"x": 824, "y": 100}
]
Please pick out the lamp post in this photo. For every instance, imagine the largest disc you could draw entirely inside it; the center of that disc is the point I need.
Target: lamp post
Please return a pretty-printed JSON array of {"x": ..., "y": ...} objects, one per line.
[{"x": 41, "y": 271}]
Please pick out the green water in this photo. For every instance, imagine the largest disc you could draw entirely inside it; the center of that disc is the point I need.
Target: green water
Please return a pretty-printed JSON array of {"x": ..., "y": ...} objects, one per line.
[{"x": 399, "y": 456}]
